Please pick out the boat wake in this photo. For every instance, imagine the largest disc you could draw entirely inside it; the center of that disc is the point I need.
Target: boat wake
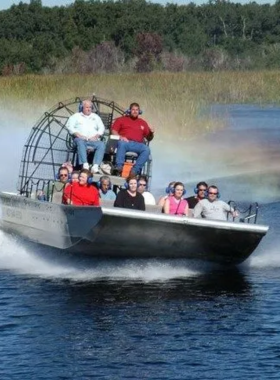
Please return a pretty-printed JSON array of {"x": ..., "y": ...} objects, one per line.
[{"x": 23, "y": 258}]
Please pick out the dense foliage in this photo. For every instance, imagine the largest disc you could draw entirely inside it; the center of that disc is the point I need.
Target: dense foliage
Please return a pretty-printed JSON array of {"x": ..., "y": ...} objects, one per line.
[{"x": 135, "y": 35}]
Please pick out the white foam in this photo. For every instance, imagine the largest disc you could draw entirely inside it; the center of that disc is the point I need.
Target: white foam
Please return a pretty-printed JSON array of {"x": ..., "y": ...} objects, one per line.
[{"x": 17, "y": 257}]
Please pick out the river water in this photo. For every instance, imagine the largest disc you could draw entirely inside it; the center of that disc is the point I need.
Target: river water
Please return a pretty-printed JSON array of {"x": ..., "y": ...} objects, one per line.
[{"x": 65, "y": 318}]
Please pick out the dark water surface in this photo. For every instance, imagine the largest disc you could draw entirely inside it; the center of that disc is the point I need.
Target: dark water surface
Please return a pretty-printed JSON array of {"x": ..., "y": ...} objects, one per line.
[{"x": 65, "y": 318}]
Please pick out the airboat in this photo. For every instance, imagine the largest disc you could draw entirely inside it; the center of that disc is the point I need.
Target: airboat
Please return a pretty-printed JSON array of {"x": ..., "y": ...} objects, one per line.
[{"x": 106, "y": 231}]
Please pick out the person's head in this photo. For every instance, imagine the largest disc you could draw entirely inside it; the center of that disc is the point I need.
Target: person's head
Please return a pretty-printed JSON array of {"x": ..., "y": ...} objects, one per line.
[
  {"x": 142, "y": 184},
  {"x": 132, "y": 183},
  {"x": 213, "y": 193},
  {"x": 201, "y": 189},
  {"x": 87, "y": 107},
  {"x": 105, "y": 184},
  {"x": 170, "y": 187},
  {"x": 134, "y": 109},
  {"x": 179, "y": 190},
  {"x": 84, "y": 176},
  {"x": 75, "y": 176},
  {"x": 63, "y": 174},
  {"x": 69, "y": 166}
]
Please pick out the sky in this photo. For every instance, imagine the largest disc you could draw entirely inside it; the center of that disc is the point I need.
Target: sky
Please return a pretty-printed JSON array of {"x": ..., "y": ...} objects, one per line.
[{"x": 5, "y": 4}]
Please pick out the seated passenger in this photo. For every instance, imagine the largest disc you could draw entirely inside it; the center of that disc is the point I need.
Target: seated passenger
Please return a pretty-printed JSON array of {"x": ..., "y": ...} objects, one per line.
[
  {"x": 105, "y": 191},
  {"x": 68, "y": 165},
  {"x": 132, "y": 131},
  {"x": 200, "y": 191},
  {"x": 56, "y": 187},
  {"x": 212, "y": 208},
  {"x": 81, "y": 193},
  {"x": 86, "y": 127},
  {"x": 169, "y": 192},
  {"x": 63, "y": 175},
  {"x": 175, "y": 204},
  {"x": 75, "y": 176},
  {"x": 129, "y": 197},
  {"x": 142, "y": 185}
]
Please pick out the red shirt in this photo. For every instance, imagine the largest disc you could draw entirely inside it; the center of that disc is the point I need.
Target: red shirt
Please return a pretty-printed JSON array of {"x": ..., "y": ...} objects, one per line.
[
  {"x": 132, "y": 129},
  {"x": 81, "y": 195}
]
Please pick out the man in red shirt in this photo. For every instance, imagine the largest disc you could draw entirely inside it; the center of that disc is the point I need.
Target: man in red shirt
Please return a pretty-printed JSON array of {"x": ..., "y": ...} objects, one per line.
[
  {"x": 81, "y": 193},
  {"x": 132, "y": 131}
]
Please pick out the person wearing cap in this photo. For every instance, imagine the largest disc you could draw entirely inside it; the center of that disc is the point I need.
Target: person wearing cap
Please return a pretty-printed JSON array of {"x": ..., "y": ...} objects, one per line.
[
  {"x": 86, "y": 127},
  {"x": 132, "y": 131}
]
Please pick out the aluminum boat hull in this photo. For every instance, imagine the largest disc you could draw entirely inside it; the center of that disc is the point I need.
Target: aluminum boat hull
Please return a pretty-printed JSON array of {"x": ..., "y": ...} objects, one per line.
[{"x": 122, "y": 233}]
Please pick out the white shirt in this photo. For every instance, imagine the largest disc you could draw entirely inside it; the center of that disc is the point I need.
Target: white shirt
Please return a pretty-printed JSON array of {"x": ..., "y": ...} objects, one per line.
[
  {"x": 149, "y": 198},
  {"x": 86, "y": 125}
]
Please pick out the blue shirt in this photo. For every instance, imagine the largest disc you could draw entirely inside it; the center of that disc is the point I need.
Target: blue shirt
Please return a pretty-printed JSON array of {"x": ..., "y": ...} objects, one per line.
[{"x": 109, "y": 195}]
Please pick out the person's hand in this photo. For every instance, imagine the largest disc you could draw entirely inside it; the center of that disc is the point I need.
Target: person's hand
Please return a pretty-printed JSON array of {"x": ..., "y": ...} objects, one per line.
[
  {"x": 235, "y": 214},
  {"x": 152, "y": 129},
  {"x": 123, "y": 139},
  {"x": 94, "y": 138}
]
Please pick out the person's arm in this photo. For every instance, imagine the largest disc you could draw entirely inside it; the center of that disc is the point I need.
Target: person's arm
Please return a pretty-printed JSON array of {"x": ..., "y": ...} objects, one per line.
[
  {"x": 230, "y": 209},
  {"x": 197, "y": 210},
  {"x": 166, "y": 206},
  {"x": 141, "y": 202},
  {"x": 112, "y": 195},
  {"x": 66, "y": 198},
  {"x": 186, "y": 212},
  {"x": 162, "y": 201},
  {"x": 149, "y": 132},
  {"x": 96, "y": 201},
  {"x": 119, "y": 199}
]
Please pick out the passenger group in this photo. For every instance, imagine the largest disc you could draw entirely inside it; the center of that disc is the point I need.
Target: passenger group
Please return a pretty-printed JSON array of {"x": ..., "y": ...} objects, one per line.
[{"x": 79, "y": 187}]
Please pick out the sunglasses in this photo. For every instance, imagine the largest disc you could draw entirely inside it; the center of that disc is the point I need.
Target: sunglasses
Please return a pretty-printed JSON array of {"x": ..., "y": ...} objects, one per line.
[
  {"x": 142, "y": 184},
  {"x": 63, "y": 175},
  {"x": 212, "y": 193},
  {"x": 202, "y": 189}
]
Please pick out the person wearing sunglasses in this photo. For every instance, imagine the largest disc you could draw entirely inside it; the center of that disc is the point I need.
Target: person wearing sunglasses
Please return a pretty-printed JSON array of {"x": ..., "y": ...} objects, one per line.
[
  {"x": 200, "y": 192},
  {"x": 212, "y": 207},
  {"x": 142, "y": 189},
  {"x": 63, "y": 175}
]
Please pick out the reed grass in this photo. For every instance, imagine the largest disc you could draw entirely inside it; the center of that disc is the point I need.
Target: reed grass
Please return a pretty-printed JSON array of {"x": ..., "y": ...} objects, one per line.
[{"x": 173, "y": 102}]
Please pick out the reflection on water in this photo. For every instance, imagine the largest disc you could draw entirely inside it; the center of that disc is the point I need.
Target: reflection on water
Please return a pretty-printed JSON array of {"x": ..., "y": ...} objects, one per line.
[{"x": 215, "y": 283}]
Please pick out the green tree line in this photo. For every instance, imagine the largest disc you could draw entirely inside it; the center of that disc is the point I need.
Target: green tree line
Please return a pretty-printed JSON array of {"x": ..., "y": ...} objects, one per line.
[{"x": 135, "y": 35}]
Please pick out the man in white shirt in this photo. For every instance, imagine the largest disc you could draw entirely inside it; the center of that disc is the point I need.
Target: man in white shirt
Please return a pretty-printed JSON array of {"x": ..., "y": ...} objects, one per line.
[
  {"x": 212, "y": 208},
  {"x": 142, "y": 189},
  {"x": 86, "y": 127}
]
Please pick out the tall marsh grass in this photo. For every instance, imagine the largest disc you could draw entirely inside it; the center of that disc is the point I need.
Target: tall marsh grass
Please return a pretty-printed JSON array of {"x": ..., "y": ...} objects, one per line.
[{"x": 173, "y": 102}]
